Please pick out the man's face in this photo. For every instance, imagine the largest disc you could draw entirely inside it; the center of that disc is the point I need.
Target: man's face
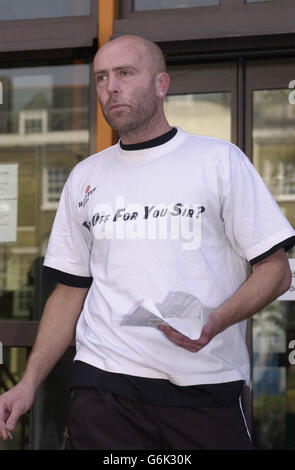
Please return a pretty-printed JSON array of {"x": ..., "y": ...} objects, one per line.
[{"x": 125, "y": 85}]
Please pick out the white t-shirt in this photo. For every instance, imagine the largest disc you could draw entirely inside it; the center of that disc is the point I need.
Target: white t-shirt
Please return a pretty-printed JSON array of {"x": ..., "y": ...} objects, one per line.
[{"x": 183, "y": 218}]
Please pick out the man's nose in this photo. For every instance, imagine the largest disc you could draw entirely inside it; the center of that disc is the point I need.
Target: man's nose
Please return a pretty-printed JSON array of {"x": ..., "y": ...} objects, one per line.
[{"x": 113, "y": 84}]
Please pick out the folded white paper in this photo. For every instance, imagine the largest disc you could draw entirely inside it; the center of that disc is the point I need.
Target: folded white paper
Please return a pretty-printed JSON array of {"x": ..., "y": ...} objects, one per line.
[{"x": 181, "y": 310}]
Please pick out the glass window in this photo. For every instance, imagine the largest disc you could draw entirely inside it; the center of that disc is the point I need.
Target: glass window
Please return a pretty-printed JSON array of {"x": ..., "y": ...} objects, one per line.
[
  {"x": 44, "y": 132},
  {"x": 274, "y": 326},
  {"x": 54, "y": 179},
  {"x": 201, "y": 113},
  {"x": 141, "y": 5},
  {"x": 274, "y": 145},
  {"x": 30, "y": 9}
]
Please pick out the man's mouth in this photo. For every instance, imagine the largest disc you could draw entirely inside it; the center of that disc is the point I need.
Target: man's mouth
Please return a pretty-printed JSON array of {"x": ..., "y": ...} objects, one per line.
[{"x": 117, "y": 107}]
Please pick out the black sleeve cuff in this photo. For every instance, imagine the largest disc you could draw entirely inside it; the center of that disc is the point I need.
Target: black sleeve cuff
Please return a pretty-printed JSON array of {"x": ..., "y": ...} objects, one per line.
[
  {"x": 66, "y": 278},
  {"x": 286, "y": 244}
]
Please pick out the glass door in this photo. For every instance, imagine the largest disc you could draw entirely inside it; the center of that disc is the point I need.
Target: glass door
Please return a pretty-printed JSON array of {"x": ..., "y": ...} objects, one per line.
[
  {"x": 250, "y": 104},
  {"x": 270, "y": 139}
]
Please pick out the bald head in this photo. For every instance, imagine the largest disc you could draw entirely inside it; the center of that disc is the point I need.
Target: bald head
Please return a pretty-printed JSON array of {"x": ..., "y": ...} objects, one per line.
[
  {"x": 152, "y": 51},
  {"x": 148, "y": 50}
]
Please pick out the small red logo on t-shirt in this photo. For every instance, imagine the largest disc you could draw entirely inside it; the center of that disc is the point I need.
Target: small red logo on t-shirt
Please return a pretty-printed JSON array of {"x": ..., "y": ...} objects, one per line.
[{"x": 88, "y": 193}]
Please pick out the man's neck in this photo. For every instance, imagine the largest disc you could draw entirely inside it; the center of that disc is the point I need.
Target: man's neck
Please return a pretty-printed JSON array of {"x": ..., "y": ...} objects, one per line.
[{"x": 142, "y": 135}]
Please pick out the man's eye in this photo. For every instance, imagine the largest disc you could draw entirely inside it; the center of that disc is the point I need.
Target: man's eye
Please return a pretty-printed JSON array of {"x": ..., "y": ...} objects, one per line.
[
  {"x": 100, "y": 78},
  {"x": 125, "y": 73}
]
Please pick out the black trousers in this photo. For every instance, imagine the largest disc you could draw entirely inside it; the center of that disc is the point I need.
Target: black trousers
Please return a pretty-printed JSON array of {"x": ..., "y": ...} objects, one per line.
[{"x": 100, "y": 420}]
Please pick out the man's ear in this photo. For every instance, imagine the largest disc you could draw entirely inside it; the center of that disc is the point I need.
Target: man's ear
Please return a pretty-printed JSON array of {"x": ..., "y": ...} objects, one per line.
[{"x": 162, "y": 82}]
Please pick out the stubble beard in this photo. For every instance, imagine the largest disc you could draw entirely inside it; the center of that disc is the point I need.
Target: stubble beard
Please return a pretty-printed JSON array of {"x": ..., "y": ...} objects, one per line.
[{"x": 139, "y": 115}]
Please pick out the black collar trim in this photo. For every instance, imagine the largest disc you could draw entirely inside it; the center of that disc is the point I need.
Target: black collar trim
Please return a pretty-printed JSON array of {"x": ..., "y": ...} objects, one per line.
[{"x": 162, "y": 139}]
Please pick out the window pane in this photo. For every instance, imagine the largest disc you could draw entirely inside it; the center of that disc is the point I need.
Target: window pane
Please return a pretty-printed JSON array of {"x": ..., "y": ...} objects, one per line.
[
  {"x": 140, "y": 5},
  {"x": 44, "y": 132},
  {"x": 274, "y": 145},
  {"x": 201, "y": 113},
  {"x": 274, "y": 326},
  {"x": 29, "y": 9}
]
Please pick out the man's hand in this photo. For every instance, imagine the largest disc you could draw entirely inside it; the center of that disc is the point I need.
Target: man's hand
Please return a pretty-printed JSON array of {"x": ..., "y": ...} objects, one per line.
[
  {"x": 13, "y": 404},
  {"x": 210, "y": 329}
]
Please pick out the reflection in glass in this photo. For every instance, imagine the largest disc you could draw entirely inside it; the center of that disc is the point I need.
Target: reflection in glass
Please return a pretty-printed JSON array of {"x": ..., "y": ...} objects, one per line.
[
  {"x": 203, "y": 113},
  {"x": 274, "y": 145},
  {"x": 29, "y": 9},
  {"x": 140, "y": 5},
  {"x": 14, "y": 361},
  {"x": 274, "y": 327},
  {"x": 44, "y": 129}
]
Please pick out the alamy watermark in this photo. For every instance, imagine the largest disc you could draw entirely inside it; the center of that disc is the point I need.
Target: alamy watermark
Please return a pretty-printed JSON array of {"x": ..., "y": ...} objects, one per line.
[
  {"x": 1, "y": 92},
  {"x": 291, "y": 96},
  {"x": 1, "y": 353},
  {"x": 147, "y": 221}
]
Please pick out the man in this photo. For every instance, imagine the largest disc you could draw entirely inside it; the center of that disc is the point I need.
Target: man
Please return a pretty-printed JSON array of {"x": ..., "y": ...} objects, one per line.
[{"x": 151, "y": 242}]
